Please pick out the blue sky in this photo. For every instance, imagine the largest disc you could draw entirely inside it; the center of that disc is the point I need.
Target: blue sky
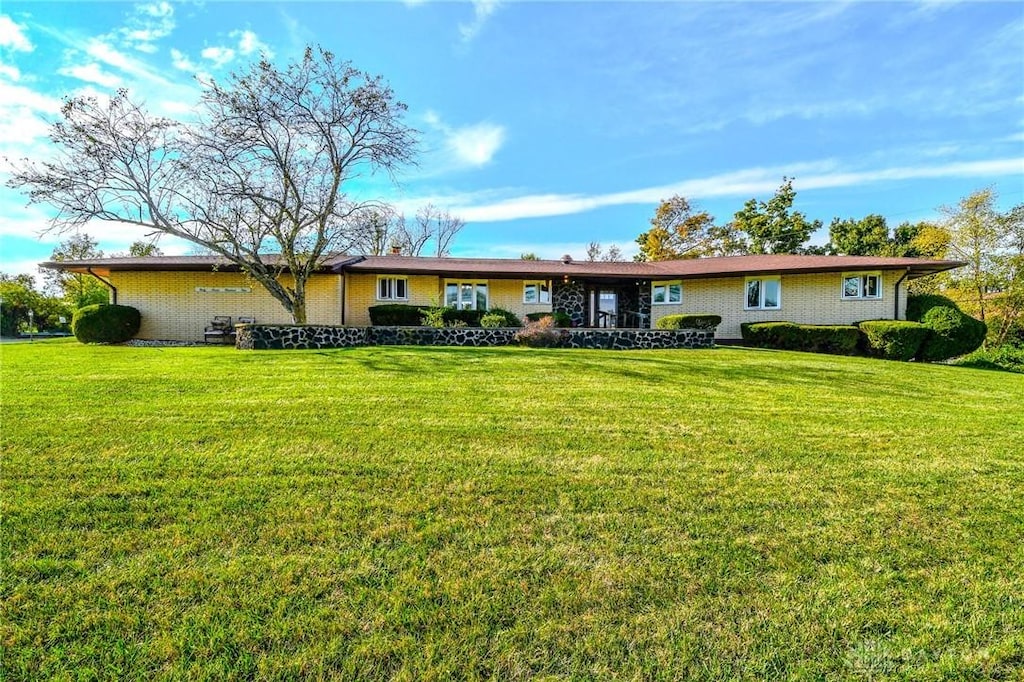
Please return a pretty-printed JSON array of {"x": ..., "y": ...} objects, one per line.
[{"x": 548, "y": 125}]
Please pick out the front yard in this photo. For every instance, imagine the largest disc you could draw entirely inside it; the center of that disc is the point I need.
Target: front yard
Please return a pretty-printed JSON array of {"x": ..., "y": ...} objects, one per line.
[{"x": 428, "y": 513}]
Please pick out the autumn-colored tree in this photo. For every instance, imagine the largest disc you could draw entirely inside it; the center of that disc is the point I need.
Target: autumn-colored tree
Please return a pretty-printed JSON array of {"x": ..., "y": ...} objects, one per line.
[{"x": 678, "y": 231}]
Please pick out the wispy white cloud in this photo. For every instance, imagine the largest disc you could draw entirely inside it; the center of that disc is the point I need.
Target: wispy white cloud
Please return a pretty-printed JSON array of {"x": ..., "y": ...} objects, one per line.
[
  {"x": 91, "y": 73},
  {"x": 13, "y": 35},
  {"x": 149, "y": 22},
  {"x": 104, "y": 52},
  {"x": 472, "y": 145},
  {"x": 219, "y": 55},
  {"x": 743, "y": 183},
  {"x": 482, "y": 11},
  {"x": 249, "y": 43}
]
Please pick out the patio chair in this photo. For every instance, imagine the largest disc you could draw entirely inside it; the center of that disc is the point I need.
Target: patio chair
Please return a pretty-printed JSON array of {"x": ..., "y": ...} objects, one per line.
[
  {"x": 246, "y": 320},
  {"x": 219, "y": 330}
]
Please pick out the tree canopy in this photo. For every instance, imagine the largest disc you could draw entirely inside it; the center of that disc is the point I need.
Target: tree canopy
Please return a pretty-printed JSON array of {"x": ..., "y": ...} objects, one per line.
[
  {"x": 678, "y": 231},
  {"x": 266, "y": 168},
  {"x": 773, "y": 226}
]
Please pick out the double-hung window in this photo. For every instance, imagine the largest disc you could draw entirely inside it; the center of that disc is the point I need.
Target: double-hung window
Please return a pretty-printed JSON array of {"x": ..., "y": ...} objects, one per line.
[
  {"x": 465, "y": 295},
  {"x": 862, "y": 285},
  {"x": 537, "y": 292},
  {"x": 763, "y": 293},
  {"x": 664, "y": 293},
  {"x": 392, "y": 289}
]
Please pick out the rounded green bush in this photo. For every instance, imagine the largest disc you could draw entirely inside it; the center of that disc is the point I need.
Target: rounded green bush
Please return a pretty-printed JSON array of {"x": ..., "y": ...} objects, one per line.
[
  {"x": 919, "y": 304},
  {"x": 954, "y": 333},
  {"x": 892, "y": 339},
  {"x": 491, "y": 321},
  {"x": 510, "y": 319},
  {"x": 691, "y": 321},
  {"x": 105, "y": 323}
]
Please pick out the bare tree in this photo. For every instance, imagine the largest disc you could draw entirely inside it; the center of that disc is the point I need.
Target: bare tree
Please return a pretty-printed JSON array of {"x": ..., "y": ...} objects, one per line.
[
  {"x": 265, "y": 169},
  {"x": 437, "y": 226}
]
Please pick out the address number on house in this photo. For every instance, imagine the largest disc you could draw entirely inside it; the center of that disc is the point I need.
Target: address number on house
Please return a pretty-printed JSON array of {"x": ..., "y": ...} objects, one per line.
[{"x": 223, "y": 290}]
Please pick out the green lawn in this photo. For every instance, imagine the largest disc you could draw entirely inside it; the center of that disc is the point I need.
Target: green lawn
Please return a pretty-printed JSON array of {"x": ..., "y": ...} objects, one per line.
[{"x": 422, "y": 513}]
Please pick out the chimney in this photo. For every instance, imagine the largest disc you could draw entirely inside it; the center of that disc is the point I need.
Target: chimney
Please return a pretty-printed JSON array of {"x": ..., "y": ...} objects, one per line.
[
  {"x": 396, "y": 249},
  {"x": 566, "y": 259}
]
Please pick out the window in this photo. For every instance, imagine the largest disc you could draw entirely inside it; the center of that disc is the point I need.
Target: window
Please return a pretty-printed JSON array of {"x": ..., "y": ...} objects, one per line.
[
  {"x": 465, "y": 295},
  {"x": 860, "y": 285},
  {"x": 663, "y": 293},
  {"x": 536, "y": 292},
  {"x": 763, "y": 293},
  {"x": 392, "y": 289}
]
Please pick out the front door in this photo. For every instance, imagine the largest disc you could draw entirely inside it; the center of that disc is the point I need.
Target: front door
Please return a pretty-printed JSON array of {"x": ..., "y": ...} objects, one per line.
[{"x": 607, "y": 308}]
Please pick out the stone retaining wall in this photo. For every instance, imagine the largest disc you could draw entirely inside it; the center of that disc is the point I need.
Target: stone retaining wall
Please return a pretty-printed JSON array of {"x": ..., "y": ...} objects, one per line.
[{"x": 288, "y": 337}]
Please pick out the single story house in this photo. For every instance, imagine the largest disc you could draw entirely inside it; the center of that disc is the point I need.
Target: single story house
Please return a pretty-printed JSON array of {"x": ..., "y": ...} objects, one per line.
[{"x": 178, "y": 296}]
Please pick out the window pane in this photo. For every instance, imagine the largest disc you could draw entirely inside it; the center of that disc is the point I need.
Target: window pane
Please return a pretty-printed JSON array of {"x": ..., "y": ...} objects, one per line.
[
  {"x": 466, "y": 296},
  {"x": 871, "y": 286},
  {"x": 451, "y": 295},
  {"x": 771, "y": 293},
  {"x": 851, "y": 287},
  {"x": 675, "y": 293},
  {"x": 400, "y": 288},
  {"x": 754, "y": 293},
  {"x": 659, "y": 293},
  {"x": 530, "y": 293},
  {"x": 481, "y": 297},
  {"x": 545, "y": 293},
  {"x": 382, "y": 288}
]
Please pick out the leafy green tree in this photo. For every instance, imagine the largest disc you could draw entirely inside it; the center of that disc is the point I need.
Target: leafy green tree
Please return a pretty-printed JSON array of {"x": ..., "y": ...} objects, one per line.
[
  {"x": 18, "y": 296},
  {"x": 75, "y": 288},
  {"x": 773, "y": 226},
  {"x": 142, "y": 249},
  {"x": 528, "y": 256},
  {"x": 868, "y": 236},
  {"x": 978, "y": 236},
  {"x": 917, "y": 240}
]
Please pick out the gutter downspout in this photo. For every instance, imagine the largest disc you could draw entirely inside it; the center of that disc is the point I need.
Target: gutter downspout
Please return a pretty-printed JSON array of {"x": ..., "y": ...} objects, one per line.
[
  {"x": 112, "y": 288},
  {"x": 896, "y": 295}
]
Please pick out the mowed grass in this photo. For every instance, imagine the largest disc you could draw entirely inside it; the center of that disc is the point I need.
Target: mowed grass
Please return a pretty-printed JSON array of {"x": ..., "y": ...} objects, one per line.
[{"x": 428, "y": 513}]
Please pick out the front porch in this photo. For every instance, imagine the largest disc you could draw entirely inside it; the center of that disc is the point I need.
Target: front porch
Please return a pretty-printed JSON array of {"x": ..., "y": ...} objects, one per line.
[{"x": 608, "y": 303}]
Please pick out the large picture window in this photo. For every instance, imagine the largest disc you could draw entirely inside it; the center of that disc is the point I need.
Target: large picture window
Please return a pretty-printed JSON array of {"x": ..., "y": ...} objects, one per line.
[
  {"x": 536, "y": 292},
  {"x": 664, "y": 293},
  {"x": 465, "y": 295},
  {"x": 862, "y": 285},
  {"x": 763, "y": 293},
  {"x": 392, "y": 289}
]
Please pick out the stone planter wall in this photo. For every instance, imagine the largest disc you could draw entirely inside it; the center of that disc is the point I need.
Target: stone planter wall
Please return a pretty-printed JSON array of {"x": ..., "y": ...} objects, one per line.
[{"x": 288, "y": 337}]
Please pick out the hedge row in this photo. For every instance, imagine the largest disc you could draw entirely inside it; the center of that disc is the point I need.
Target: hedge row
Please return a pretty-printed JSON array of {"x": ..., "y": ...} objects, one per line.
[
  {"x": 936, "y": 330},
  {"x": 403, "y": 315},
  {"x": 697, "y": 321}
]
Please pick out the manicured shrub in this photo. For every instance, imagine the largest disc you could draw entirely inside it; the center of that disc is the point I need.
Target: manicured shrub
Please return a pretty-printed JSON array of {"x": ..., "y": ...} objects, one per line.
[
  {"x": 468, "y": 318},
  {"x": 491, "y": 321},
  {"x": 560, "y": 319},
  {"x": 954, "y": 333},
  {"x": 396, "y": 315},
  {"x": 696, "y": 321},
  {"x": 541, "y": 334},
  {"x": 510, "y": 318},
  {"x": 813, "y": 338},
  {"x": 892, "y": 339},
  {"x": 105, "y": 323},
  {"x": 919, "y": 304}
]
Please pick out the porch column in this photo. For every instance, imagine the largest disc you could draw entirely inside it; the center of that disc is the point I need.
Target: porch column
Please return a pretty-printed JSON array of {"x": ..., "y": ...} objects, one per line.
[{"x": 569, "y": 298}]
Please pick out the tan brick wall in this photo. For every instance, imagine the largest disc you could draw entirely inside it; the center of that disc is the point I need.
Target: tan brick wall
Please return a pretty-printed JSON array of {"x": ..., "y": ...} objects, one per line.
[
  {"x": 172, "y": 309},
  {"x": 428, "y": 290},
  {"x": 362, "y": 293},
  {"x": 806, "y": 299}
]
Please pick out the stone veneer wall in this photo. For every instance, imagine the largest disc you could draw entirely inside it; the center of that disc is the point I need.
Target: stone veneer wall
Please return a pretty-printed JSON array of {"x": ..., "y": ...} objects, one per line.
[
  {"x": 288, "y": 337},
  {"x": 569, "y": 298}
]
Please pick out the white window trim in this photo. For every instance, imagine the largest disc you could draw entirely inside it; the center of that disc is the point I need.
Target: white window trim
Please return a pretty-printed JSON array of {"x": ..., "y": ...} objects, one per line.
[
  {"x": 860, "y": 286},
  {"x": 667, "y": 283},
  {"x": 538, "y": 283},
  {"x": 458, "y": 283},
  {"x": 763, "y": 279},
  {"x": 393, "y": 287}
]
